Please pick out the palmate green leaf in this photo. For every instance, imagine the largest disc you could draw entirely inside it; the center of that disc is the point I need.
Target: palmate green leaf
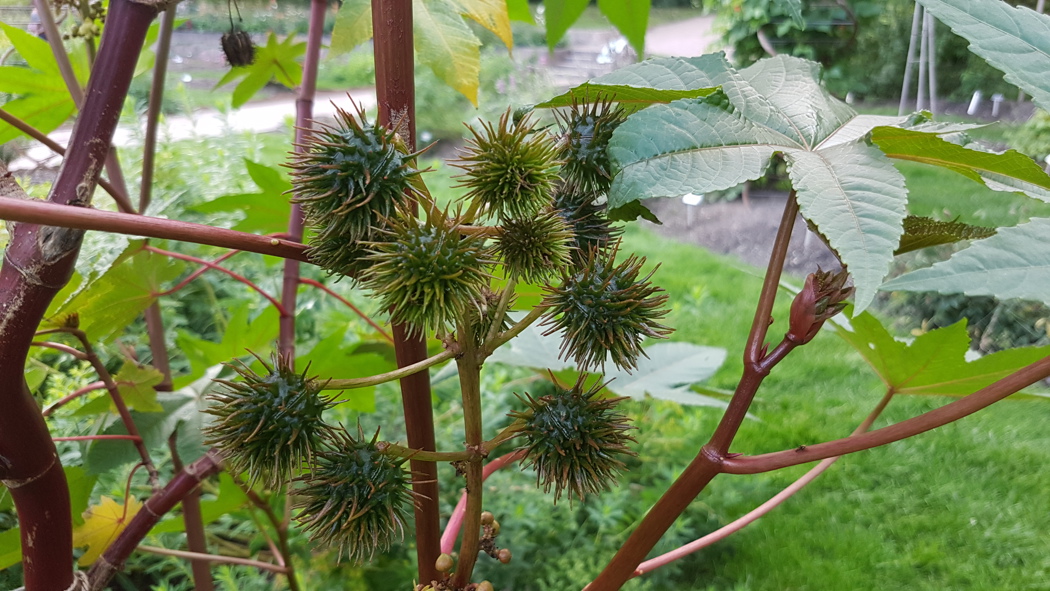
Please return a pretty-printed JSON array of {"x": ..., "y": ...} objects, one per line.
[
  {"x": 265, "y": 212},
  {"x": 1007, "y": 171},
  {"x": 793, "y": 8},
  {"x": 445, "y": 43},
  {"x": 41, "y": 96},
  {"x": 135, "y": 383},
  {"x": 228, "y": 498},
  {"x": 45, "y": 112},
  {"x": 277, "y": 60},
  {"x": 110, "y": 303},
  {"x": 34, "y": 50},
  {"x": 1016, "y": 41},
  {"x": 518, "y": 10},
  {"x": 353, "y": 26},
  {"x": 845, "y": 186},
  {"x": 1015, "y": 263},
  {"x": 243, "y": 334},
  {"x": 630, "y": 212},
  {"x": 629, "y": 97},
  {"x": 935, "y": 362},
  {"x": 558, "y": 16},
  {"x": 631, "y": 17},
  {"x": 923, "y": 232}
]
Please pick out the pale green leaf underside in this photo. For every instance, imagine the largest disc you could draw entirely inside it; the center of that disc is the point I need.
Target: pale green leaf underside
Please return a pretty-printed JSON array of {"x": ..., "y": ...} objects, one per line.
[
  {"x": 935, "y": 362},
  {"x": 857, "y": 198},
  {"x": 445, "y": 43},
  {"x": 1015, "y": 263},
  {"x": 1013, "y": 40},
  {"x": 672, "y": 73}
]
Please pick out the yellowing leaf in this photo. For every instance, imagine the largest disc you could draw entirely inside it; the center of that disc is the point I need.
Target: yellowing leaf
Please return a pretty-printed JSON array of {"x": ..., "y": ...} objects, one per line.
[
  {"x": 353, "y": 26},
  {"x": 136, "y": 384},
  {"x": 491, "y": 14},
  {"x": 102, "y": 524},
  {"x": 444, "y": 42}
]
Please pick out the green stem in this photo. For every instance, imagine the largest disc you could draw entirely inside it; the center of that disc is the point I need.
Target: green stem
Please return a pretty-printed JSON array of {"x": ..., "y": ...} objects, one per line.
[
  {"x": 469, "y": 365},
  {"x": 397, "y": 374},
  {"x": 514, "y": 331},
  {"x": 501, "y": 309}
]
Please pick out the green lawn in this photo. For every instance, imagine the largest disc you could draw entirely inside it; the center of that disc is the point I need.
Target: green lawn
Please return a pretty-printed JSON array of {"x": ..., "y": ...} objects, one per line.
[{"x": 963, "y": 507}]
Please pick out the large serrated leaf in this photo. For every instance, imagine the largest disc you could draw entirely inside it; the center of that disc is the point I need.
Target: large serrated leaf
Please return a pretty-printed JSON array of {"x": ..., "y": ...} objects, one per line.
[
  {"x": 445, "y": 43},
  {"x": 857, "y": 198},
  {"x": 924, "y": 232},
  {"x": 935, "y": 362},
  {"x": 264, "y": 212},
  {"x": 491, "y": 14},
  {"x": 629, "y": 97},
  {"x": 243, "y": 334},
  {"x": 701, "y": 145},
  {"x": 1010, "y": 170},
  {"x": 353, "y": 26},
  {"x": 1013, "y": 40},
  {"x": 1015, "y": 263},
  {"x": 277, "y": 60},
  {"x": 154, "y": 427}
]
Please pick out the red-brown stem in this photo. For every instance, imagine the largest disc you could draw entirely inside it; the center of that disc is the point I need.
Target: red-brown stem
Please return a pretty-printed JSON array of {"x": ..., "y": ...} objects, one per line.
[
  {"x": 153, "y": 108},
  {"x": 158, "y": 346},
  {"x": 191, "y": 518},
  {"x": 708, "y": 463},
  {"x": 754, "y": 515},
  {"x": 82, "y": 218},
  {"x": 283, "y": 553},
  {"x": 211, "y": 265},
  {"x": 395, "y": 94},
  {"x": 350, "y": 305},
  {"x": 304, "y": 112},
  {"x": 156, "y": 506},
  {"x": 37, "y": 264},
  {"x": 938, "y": 417},
  {"x": 134, "y": 438},
  {"x": 70, "y": 398},
  {"x": 455, "y": 521},
  {"x": 118, "y": 401},
  {"x": 72, "y": 351},
  {"x": 194, "y": 275}
]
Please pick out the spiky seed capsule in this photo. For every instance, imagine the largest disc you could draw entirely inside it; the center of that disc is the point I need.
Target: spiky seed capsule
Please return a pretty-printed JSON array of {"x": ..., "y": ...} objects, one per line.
[
  {"x": 574, "y": 439},
  {"x": 535, "y": 247},
  {"x": 583, "y": 149},
  {"x": 238, "y": 48},
  {"x": 509, "y": 168},
  {"x": 606, "y": 310},
  {"x": 355, "y": 498},
  {"x": 268, "y": 425},
  {"x": 590, "y": 226},
  {"x": 426, "y": 272},
  {"x": 349, "y": 177}
]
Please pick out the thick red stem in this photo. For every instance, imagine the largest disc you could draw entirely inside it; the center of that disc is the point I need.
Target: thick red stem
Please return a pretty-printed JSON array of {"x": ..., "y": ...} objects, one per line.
[
  {"x": 38, "y": 263},
  {"x": 395, "y": 93}
]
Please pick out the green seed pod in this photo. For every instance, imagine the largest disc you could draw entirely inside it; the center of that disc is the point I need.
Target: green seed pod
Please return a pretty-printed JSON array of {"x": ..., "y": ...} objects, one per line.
[
  {"x": 356, "y": 498},
  {"x": 349, "y": 178},
  {"x": 606, "y": 309},
  {"x": 590, "y": 226},
  {"x": 426, "y": 272},
  {"x": 583, "y": 149},
  {"x": 535, "y": 247},
  {"x": 268, "y": 425},
  {"x": 574, "y": 439},
  {"x": 510, "y": 169}
]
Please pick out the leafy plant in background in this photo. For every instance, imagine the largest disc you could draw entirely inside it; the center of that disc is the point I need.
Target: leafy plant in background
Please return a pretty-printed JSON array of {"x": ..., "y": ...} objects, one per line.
[{"x": 537, "y": 209}]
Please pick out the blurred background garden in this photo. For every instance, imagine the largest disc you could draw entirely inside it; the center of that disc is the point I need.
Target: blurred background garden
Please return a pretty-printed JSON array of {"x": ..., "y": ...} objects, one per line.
[{"x": 962, "y": 507}]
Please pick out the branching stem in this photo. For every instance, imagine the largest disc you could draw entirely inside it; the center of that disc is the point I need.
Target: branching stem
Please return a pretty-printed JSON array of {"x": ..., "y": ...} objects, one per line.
[{"x": 397, "y": 374}]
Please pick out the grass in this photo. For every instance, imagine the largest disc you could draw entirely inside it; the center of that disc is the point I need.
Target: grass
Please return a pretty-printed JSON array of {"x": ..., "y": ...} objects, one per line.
[{"x": 962, "y": 507}]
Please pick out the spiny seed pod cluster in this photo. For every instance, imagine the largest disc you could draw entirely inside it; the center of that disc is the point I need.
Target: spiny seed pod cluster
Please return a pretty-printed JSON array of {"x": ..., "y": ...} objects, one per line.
[
  {"x": 574, "y": 439},
  {"x": 268, "y": 425},
  {"x": 588, "y": 221},
  {"x": 426, "y": 272},
  {"x": 606, "y": 310},
  {"x": 509, "y": 168},
  {"x": 583, "y": 150},
  {"x": 535, "y": 248},
  {"x": 350, "y": 178},
  {"x": 356, "y": 498}
]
